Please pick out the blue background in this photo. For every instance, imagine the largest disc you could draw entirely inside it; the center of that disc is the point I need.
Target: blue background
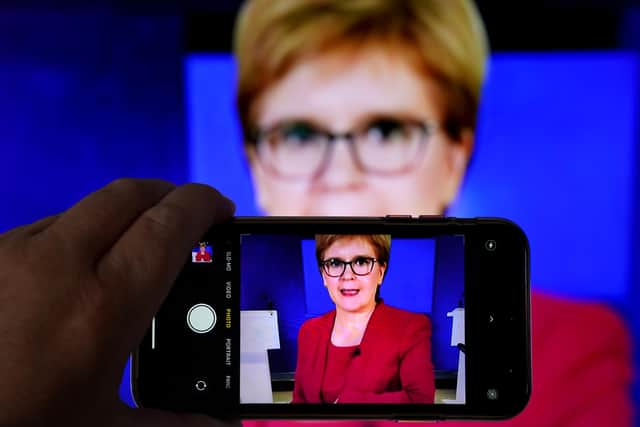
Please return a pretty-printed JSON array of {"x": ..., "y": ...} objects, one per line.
[
  {"x": 556, "y": 150},
  {"x": 408, "y": 283},
  {"x": 424, "y": 276}
]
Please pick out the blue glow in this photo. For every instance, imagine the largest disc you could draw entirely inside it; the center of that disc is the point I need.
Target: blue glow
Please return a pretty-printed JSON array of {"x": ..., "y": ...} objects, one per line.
[
  {"x": 555, "y": 149},
  {"x": 294, "y": 288},
  {"x": 554, "y": 152},
  {"x": 407, "y": 285},
  {"x": 215, "y": 148}
]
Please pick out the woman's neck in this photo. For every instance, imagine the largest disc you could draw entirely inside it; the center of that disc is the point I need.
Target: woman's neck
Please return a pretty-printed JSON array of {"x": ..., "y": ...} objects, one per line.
[{"x": 349, "y": 327}]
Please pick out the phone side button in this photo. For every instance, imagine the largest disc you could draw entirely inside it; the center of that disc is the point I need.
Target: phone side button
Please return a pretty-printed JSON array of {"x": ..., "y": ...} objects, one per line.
[
  {"x": 398, "y": 218},
  {"x": 431, "y": 217}
]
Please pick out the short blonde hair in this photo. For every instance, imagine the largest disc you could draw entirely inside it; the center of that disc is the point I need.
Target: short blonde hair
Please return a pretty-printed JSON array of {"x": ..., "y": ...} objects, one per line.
[
  {"x": 446, "y": 37},
  {"x": 381, "y": 244}
]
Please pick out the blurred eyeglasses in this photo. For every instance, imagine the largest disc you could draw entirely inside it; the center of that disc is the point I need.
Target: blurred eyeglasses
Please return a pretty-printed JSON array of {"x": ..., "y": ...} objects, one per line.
[{"x": 387, "y": 146}]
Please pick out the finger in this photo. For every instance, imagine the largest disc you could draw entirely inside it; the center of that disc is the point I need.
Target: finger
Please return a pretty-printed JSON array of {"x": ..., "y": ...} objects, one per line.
[
  {"x": 34, "y": 228},
  {"x": 157, "y": 418},
  {"x": 139, "y": 269},
  {"x": 43, "y": 224},
  {"x": 95, "y": 223}
]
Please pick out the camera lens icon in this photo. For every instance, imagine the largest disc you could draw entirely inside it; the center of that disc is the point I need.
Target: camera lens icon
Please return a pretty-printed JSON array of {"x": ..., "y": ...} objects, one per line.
[
  {"x": 490, "y": 245},
  {"x": 492, "y": 394}
]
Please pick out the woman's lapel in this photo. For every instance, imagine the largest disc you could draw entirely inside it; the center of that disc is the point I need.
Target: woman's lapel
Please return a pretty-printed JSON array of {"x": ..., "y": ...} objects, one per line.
[{"x": 320, "y": 353}]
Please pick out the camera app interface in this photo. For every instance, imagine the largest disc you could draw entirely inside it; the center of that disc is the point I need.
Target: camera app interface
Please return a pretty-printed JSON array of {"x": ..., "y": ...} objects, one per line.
[{"x": 351, "y": 319}]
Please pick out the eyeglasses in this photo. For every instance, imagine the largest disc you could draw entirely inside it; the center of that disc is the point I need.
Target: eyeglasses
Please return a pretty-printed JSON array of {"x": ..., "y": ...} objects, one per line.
[
  {"x": 386, "y": 146},
  {"x": 335, "y": 267}
]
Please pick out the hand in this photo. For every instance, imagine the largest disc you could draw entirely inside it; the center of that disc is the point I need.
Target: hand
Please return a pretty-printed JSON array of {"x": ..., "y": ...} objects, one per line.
[{"x": 77, "y": 293}]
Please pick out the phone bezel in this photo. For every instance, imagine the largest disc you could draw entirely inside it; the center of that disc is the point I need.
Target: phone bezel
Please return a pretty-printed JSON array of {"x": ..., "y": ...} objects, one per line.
[{"x": 481, "y": 300}]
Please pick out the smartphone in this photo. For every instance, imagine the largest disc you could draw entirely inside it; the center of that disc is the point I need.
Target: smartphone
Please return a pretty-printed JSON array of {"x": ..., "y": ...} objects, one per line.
[{"x": 397, "y": 317}]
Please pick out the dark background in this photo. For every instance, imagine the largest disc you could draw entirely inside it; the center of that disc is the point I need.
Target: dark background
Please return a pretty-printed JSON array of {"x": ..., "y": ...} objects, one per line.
[{"x": 82, "y": 82}]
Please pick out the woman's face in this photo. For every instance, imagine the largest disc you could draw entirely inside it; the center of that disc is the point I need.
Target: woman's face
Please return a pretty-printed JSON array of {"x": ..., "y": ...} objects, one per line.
[
  {"x": 340, "y": 92},
  {"x": 351, "y": 292}
]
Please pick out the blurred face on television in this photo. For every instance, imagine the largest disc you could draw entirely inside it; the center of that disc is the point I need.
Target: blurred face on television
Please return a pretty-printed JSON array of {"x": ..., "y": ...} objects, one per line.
[
  {"x": 390, "y": 156},
  {"x": 352, "y": 287},
  {"x": 358, "y": 108}
]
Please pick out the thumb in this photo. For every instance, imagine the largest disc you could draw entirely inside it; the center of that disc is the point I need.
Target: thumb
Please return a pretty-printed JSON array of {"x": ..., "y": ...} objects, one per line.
[{"x": 158, "y": 418}]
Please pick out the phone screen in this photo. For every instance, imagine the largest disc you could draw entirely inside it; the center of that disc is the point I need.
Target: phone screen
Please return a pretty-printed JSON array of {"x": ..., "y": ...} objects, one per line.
[
  {"x": 290, "y": 322},
  {"x": 351, "y": 319}
]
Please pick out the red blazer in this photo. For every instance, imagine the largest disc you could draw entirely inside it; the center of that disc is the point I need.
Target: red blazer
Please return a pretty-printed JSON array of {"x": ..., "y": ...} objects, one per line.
[
  {"x": 581, "y": 371},
  {"x": 393, "y": 364},
  {"x": 206, "y": 257}
]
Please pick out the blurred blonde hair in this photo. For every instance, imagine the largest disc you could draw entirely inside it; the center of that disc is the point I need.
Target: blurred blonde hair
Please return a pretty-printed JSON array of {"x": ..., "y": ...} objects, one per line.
[{"x": 445, "y": 39}]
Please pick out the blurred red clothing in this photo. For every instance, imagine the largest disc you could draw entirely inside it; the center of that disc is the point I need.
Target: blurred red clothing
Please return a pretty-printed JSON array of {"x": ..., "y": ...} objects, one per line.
[
  {"x": 581, "y": 371},
  {"x": 203, "y": 257}
]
